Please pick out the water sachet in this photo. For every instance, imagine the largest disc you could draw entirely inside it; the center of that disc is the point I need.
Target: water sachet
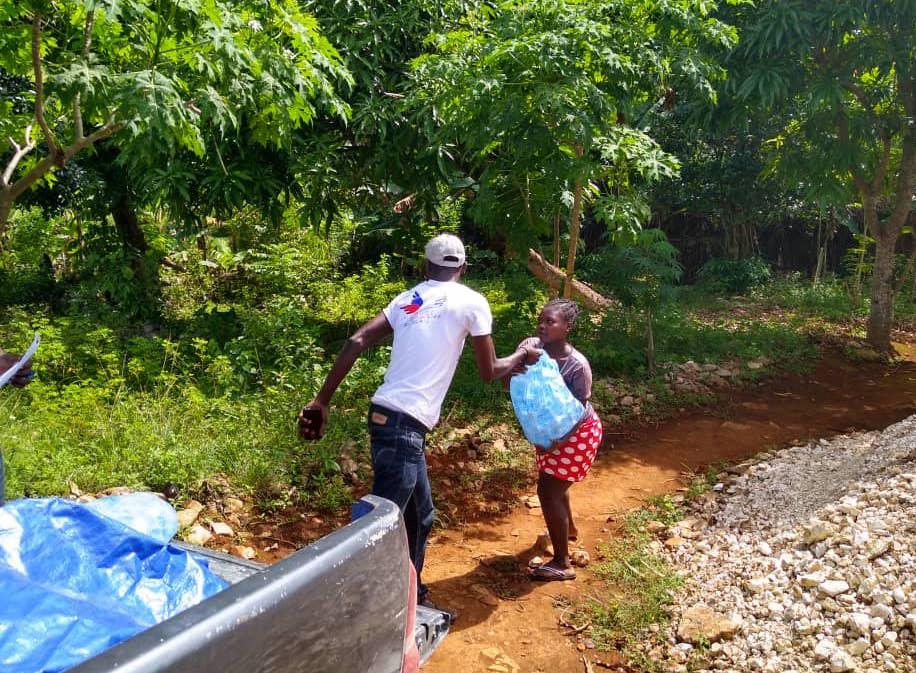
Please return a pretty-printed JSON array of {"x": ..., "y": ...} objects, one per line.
[{"x": 546, "y": 409}]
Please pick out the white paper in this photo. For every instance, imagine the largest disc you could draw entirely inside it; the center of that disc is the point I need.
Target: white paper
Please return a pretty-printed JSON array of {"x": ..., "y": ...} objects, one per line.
[{"x": 7, "y": 376}]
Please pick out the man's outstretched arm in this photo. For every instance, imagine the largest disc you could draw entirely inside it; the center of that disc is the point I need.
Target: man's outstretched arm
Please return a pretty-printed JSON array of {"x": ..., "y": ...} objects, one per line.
[
  {"x": 491, "y": 367},
  {"x": 365, "y": 337}
]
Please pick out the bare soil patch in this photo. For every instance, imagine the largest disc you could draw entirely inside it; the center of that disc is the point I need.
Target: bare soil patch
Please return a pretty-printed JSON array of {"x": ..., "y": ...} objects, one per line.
[{"x": 479, "y": 568}]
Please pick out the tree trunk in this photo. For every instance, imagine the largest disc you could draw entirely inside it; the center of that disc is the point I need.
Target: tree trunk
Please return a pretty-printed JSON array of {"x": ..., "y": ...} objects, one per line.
[
  {"x": 821, "y": 252},
  {"x": 573, "y": 239},
  {"x": 555, "y": 278},
  {"x": 131, "y": 234},
  {"x": 128, "y": 225},
  {"x": 6, "y": 205},
  {"x": 881, "y": 312},
  {"x": 575, "y": 215},
  {"x": 650, "y": 343}
]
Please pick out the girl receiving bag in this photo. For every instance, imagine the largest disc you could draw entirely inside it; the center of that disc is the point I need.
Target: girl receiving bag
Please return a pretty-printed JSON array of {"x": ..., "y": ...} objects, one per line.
[{"x": 551, "y": 402}]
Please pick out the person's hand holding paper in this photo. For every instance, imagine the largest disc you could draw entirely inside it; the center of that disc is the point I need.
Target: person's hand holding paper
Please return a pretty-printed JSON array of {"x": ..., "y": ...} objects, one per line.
[{"x": 17, "y": 370}]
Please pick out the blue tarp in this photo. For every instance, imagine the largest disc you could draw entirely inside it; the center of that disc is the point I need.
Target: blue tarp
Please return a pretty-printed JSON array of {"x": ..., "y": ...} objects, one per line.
[{"x": 76, "y": 580}]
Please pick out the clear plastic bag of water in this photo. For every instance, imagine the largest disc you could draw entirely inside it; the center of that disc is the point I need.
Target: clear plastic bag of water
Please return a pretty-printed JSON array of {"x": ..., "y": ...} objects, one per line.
[{"x": 546, "y": 409}]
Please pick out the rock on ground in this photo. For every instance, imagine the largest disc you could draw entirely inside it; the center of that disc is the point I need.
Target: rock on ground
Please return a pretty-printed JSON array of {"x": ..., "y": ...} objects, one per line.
[{"x": 811, "y": 552}]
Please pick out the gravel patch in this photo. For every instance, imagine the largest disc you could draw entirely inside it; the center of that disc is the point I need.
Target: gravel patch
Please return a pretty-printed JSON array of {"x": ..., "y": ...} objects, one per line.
[{"x": 803, "y": 559}]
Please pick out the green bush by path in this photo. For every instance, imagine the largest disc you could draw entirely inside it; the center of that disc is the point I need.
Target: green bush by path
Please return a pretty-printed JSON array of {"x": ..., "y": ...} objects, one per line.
[
  {"x": 615, "y": 344},
  {"x": 828, "y": 299},
  {"x": 734, "y": 275}
]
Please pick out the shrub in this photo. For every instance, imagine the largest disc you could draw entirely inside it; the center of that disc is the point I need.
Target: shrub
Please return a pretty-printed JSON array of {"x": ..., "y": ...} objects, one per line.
[{"x": 734, "y": 276}]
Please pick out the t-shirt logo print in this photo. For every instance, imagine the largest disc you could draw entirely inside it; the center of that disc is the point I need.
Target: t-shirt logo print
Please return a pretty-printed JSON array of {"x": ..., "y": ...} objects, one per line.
[{"x": 415, "y": 303}]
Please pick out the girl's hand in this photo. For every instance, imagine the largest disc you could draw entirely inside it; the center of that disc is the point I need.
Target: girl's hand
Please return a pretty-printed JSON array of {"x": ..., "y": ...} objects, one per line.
[{"x": 531, "y": 355}]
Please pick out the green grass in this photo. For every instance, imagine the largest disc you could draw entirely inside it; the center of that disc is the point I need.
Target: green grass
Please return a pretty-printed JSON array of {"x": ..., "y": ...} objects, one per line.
[
  {"x": 697, "y": 484},
  {"x": 640, "y": 586},
  {"x": 217, "y": 389}
]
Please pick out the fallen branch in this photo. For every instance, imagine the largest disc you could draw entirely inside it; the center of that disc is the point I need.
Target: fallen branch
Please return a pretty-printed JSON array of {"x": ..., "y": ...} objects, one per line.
[
  {"x": 404, "y": 204},
  {"x": 166, "y": 262},
  {"x": 555, "y": 279},
  {"x": 575, "y": 630}
]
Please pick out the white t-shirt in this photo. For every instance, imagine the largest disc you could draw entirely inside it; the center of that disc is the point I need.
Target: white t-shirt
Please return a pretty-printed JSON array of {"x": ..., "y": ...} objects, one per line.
[{"x": 430, "y": 323}]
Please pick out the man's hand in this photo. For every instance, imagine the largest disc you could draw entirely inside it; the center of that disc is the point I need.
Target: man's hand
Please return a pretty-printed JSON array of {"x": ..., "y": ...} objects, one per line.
[
  {"x": 532, "y": 355},
  {"x": 492, "y": 368},
  {"x": 312, "y": 420},
  {"x": 23, "y": 376}
]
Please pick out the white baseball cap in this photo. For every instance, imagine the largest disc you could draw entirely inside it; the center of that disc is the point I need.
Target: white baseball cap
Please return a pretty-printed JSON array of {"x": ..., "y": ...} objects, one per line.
[{"x": 445, "y": 250}]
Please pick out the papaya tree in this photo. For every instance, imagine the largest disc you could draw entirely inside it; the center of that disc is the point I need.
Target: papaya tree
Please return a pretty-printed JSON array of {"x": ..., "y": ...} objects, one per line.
[
  {"x": 640, "y": 269},
  {"x": 152, "y": 77},
  {"x": 841, "y": 77},
  {"x": 377, "y": 159},
  {"x": 542, "y": 104}
]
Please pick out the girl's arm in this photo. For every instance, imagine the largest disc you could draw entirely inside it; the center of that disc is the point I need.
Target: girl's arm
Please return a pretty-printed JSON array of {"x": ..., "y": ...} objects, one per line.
[{"x": 579, "y": 378}]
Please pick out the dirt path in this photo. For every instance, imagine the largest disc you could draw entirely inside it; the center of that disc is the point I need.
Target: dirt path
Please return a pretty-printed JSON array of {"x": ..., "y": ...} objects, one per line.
[{"x": 472, "y": 569}]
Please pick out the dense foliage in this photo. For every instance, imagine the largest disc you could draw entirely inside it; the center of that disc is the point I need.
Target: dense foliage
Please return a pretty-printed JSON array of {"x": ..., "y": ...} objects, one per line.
[
  {"x": 202, "y": 199},
  {"x": 153, "y": 79},
  {"x": 841, "y": 76}
]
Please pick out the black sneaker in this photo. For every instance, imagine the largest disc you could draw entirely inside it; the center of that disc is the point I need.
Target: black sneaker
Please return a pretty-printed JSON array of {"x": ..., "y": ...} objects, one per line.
[{"x": 452, "y": 614}]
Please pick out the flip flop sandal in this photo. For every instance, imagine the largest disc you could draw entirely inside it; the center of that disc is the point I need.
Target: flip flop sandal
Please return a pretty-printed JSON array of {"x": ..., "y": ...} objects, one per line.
[{"x": 546, "y": 573}]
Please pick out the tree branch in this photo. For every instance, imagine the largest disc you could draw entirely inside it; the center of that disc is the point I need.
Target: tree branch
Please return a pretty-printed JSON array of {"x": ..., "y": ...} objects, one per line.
[
  {"x": 842, "y": 125},
  {"x": 87, "y": 43},
  {"x": 18, "y": 188},
  {"x": 859, "y": 93},
  {"x": 883, "y": 163},
  {"x": 19, "y": 151},
  {"x": 40, "y": 86},
  {"x": 110, "y": 128},
  {"x": 61, "y": 156}
]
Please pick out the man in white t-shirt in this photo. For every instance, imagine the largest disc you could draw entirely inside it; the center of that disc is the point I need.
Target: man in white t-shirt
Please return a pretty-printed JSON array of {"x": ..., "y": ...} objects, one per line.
[{"x": 430, "y": 323}]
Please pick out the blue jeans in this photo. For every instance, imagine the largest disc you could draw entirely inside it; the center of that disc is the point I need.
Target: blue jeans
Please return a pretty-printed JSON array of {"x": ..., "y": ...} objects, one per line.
[{"x": 399, "y": 463}]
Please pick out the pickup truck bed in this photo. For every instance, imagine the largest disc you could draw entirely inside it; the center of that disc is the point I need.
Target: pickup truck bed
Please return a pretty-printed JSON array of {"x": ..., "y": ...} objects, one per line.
[{"x": 339, "y": 605}]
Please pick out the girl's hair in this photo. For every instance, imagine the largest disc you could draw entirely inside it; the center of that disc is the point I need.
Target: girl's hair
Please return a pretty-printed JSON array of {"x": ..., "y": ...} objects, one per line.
[{"x": 567, "y": 308}]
